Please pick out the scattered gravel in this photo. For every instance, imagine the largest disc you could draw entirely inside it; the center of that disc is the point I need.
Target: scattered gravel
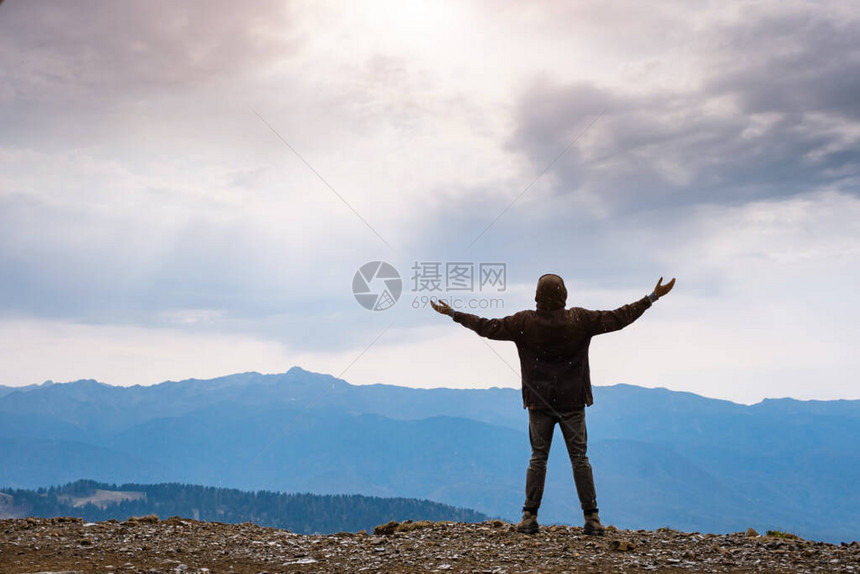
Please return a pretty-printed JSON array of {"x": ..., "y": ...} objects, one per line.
[{"x": 148, "y": 545}]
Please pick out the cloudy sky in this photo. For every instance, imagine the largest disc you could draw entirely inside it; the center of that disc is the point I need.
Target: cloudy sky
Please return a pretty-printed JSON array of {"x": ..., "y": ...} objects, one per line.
[{"x": 188, "y": 189}]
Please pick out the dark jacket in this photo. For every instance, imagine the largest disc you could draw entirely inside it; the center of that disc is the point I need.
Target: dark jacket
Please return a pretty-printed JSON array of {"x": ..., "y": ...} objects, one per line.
[{"x": 552, "y": 343}]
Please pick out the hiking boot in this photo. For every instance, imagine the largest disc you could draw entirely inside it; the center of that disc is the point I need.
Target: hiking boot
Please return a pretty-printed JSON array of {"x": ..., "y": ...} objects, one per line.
[
  {"x": 529, "y": 523},
  {"x": 593, "y": 526}
]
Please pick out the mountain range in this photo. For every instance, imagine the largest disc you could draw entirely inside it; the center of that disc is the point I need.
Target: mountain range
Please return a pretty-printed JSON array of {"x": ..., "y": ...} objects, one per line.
[{"x": 661, "y": 458}]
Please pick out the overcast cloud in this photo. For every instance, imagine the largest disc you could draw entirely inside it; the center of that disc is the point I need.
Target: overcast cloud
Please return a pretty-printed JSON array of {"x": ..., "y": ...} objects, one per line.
[{"x": 153, "y": 226}]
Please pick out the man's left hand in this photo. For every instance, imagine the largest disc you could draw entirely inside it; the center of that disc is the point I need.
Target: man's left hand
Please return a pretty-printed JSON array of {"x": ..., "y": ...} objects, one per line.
[{"x": 661, "y": 290}]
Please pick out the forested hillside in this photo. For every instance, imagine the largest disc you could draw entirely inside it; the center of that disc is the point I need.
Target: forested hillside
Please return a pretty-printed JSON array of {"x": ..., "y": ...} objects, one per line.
[{"x": 301, "y": 513}]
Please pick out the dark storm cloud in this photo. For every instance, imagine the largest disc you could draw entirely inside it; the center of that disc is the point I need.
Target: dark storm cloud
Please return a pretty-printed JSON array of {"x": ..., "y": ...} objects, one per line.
[
  {"x": 792, "y": 64},
  {"x": 773, "y": 118}
]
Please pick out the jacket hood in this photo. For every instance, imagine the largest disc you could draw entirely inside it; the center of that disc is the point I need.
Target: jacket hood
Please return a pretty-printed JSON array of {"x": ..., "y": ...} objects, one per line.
[{"x": 551, "y": 294}]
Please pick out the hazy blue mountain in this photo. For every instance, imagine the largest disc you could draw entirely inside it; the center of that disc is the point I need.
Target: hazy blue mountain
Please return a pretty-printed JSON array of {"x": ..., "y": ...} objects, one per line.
[
  {"x": 26, "y": 461},
  {"x": 661, "y": 458},
  {"x": 4, "y": 390},
  {"x": 96, "y": 407}
]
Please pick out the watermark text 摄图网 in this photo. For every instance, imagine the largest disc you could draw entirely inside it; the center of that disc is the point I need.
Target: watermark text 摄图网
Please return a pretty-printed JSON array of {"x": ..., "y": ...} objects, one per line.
[{"x": 438, "y": 276}]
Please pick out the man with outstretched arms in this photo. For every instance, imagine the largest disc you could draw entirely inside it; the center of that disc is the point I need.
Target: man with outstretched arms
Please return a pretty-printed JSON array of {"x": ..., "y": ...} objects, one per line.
[{"x": 552, "y": 343}]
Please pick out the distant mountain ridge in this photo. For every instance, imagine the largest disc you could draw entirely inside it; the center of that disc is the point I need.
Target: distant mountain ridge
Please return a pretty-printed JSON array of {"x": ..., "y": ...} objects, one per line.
[
  {"x": 253, "y": 389},
  {"x": 661, "y": 458}
]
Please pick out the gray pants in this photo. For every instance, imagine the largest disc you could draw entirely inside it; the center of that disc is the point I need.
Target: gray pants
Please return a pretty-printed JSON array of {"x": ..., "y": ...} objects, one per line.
[{"x": 541, "y": 426}]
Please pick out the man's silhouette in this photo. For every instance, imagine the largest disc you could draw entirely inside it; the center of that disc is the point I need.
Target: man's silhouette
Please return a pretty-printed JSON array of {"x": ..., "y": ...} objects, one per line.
[{"x": 552, "y": 343}]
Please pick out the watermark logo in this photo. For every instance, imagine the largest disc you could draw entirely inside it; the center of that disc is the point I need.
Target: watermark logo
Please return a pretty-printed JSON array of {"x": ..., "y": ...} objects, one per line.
[{"x": 377, "y": 286}]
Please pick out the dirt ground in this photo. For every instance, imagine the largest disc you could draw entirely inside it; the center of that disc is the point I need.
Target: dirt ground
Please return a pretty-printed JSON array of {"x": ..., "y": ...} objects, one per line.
[{"x": 148, "y": 545}]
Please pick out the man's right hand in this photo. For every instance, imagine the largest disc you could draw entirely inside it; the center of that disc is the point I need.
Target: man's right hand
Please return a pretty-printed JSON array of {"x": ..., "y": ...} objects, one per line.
[
  {"x": 661, "y": 290},
  {"x": 442, "y": 307}
]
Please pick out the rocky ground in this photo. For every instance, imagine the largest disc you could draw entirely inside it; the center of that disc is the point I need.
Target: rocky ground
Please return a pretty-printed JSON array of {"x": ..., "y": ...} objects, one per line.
[{"x": 185, "y": 546}]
